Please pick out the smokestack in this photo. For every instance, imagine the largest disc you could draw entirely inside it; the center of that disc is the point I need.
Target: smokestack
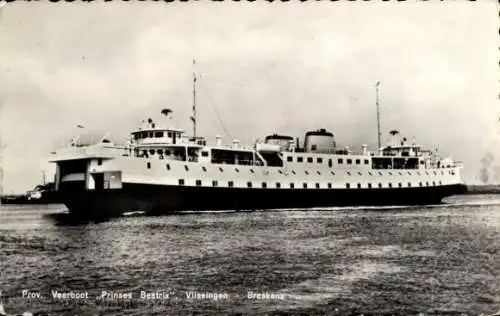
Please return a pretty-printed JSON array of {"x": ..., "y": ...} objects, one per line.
[{"x": 218, "y": 140}]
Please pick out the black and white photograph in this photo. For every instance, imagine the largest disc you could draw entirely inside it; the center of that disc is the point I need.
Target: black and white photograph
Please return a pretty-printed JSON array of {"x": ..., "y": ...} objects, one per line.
[{"x": 249, "y": 158}]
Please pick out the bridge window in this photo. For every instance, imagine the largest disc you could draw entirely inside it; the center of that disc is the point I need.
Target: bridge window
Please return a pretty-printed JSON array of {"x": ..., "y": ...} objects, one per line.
[
  {"x": 358, "y": 161},
  {"x": 317, "y": 185},
  {"x": 300, "y": 159},
  {"x": 230, "y": 184},
  {"x": 309, "y": 159},
  {"x": 181, "y": 181},
  {"x": 264, "y": 185},
  {"x": 278, "y": 185},
  {"x": 319, "y": 160},
  {"x": 204, "y": 153},
  {"x": 158, "y": 134},
  {"x": 381, "y": 163},
  {"x": 329, "y": 185},
  {"x": 148, "y": 165},
  {"x": 292, "y": 185},
  {"x": 330, "y": 163},
  {"x": 340, "y": 160},
  {"x": 289, "y": 158},
  {"x": 304, "y": 185},
  {"x": 347, "y": 185},
  {"x": 249, "y": 184},
  {"x": 349, "y": 161},
  {"x": 198, "y": 183}
]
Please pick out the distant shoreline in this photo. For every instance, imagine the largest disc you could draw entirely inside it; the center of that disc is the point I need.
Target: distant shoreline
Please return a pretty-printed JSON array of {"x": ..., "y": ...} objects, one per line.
[{"x": 483, "y": 189}]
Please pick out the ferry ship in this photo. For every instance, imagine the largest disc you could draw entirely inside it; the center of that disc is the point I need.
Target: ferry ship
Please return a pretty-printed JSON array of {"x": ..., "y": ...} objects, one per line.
[{"x": 162, "y": 170}]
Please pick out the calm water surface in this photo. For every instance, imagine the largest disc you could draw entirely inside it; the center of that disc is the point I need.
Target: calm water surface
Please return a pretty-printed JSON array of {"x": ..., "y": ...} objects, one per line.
[{"x": 438, "y": 260}]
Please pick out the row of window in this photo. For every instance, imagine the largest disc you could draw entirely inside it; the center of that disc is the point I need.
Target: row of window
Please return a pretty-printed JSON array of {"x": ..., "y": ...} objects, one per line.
[
  {"x": 230, "y": 184},
  {"x": 148, "y": 165},
  {"x": 320, "y": 160}
]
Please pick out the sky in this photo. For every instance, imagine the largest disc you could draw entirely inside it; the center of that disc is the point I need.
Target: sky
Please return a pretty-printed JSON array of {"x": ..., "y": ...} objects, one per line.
[{"x": 263, "y": 68}]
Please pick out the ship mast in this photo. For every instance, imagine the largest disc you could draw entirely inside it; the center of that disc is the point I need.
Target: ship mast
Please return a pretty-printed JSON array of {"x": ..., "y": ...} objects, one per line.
[
  {"x": 193, "y": 118},
  {"x": 378, "y": 115}
]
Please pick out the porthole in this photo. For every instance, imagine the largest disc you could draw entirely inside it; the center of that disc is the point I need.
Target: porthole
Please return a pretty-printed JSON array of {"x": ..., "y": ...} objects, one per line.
[
  {"x": 400, "y": 185},
  {"x": 420, "y": 184},
  {"x": 409, "y": 173},
  {"x": 278, "y": 185},
  {"x": 347, "y": 185},
  {"x": 181, "y": 181},
  {"x": 409, "y": 184},
  {"x": 340, "y": 160},
  {"x": 380, "y": 185},
  {"x": 367, "y": 161},
  {"x": 358, "y": 161},
  {"x": 359, "y": 185},
  {"x": 264, "y": 185},
  {"x": 214, "y": 183},
  {"x": 304, "y": 185},
  {"x": 198, "y": 183},
  {"x": 249, "y": 184},
  {"x": 390, "y": 185},
  {"x": 230, "y": 184},
  {"x": 329, "y": 185},
  {"x": 400, "y": 173},
  {"x": 309, "y": 159},
  {"x": 319, "y": 160},
  {"x": 349, "y": 161},
  {"x": 317, "y": 185},
  {"x": 369, "y": 185},
  {"x": 292, "y": 185},
  {"x": 280, "y": 172}
]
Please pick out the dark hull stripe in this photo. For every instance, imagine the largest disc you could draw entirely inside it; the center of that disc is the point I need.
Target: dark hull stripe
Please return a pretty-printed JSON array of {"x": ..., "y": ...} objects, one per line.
[{"x": 160, "y": 199}]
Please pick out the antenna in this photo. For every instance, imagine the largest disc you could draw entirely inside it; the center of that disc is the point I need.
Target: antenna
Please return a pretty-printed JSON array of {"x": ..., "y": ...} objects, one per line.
[
  {"x": 378, "y": 115},
  {"x": 193, "y": 118}
]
